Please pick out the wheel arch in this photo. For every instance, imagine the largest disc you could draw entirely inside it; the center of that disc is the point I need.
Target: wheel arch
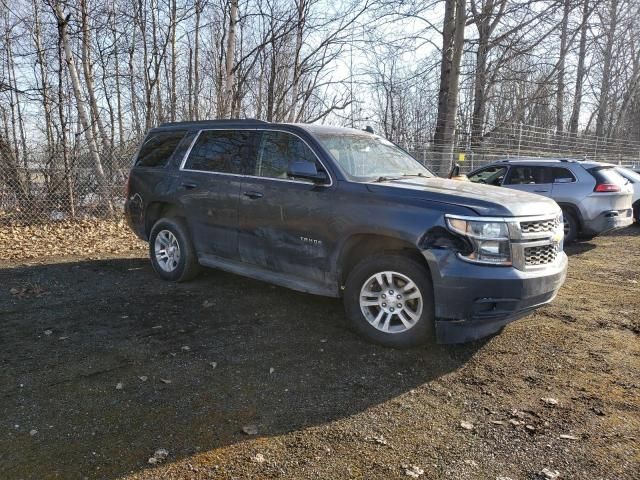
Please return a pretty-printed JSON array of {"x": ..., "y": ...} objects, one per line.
[
  {"x": 362, "y": 245},
  {"x": 574, "y": 210},
  {"x": 157, "y": 210}
]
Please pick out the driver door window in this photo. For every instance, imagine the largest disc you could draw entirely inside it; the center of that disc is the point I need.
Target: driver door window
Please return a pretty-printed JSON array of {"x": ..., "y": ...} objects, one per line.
[
  {"x": 277, "y": 151},
  {"x": 490, "y": 175}
]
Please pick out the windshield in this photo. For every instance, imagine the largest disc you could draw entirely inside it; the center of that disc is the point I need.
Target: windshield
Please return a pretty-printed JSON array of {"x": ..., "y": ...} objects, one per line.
[{"x": 369, "y": 157}]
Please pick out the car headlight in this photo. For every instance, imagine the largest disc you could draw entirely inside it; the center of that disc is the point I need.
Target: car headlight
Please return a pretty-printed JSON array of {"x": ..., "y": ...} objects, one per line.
[{"x": 489, "y": 239}]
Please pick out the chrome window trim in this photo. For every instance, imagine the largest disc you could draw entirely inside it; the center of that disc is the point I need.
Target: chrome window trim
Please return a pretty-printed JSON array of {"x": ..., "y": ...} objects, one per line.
[{"x": 301, "y": 182}]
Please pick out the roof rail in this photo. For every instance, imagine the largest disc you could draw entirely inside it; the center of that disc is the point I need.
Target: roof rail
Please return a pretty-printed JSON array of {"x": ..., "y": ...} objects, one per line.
[{"x": 214, "y": 121}]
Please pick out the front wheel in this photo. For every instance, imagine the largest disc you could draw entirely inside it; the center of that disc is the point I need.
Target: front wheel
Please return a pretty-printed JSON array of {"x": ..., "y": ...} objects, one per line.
[
  {"x": 389, "y": 300},
  {"x": 172, "y": 254}
]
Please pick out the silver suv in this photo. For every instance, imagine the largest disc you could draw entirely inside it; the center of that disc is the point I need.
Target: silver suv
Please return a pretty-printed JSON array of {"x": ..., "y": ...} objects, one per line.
[{"x": 594, "y": 197}]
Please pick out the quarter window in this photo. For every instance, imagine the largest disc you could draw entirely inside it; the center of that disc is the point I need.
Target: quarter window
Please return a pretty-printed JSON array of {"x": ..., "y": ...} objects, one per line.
[
  {"x": 562, "y": 175},
  {"x": 277, "y": 151},
  {"x": 223, "y": 151},
  {"x": 158, "y": 148}
]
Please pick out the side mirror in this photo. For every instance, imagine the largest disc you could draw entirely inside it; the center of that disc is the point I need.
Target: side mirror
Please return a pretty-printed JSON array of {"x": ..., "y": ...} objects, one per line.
[
  {"x": 455, "y": 171},
  {"x": 307, "y": 171}
]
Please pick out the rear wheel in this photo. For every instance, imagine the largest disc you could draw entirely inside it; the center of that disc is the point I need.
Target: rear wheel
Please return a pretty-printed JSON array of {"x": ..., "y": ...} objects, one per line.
[
  {"x": 570, "y": 226},
  {"x": 389, "y": 300},
  {"x": 171, "y": 251}
]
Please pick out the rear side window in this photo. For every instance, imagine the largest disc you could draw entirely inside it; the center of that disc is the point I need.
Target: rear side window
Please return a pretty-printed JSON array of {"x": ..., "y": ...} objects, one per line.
[
  {"x": 524, "y": 175},
  {"x": 607, "y": 175},
  {"x": 562, "y": 175},
  {"x": 158, "y": 148},
  {"x": 277, "y": 151},
  {"x": 223, "y": 151}
]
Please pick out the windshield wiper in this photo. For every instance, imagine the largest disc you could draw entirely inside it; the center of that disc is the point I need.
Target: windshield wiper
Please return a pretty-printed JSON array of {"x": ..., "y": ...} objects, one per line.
[
  {"x": 404, "y": 175},
  {"x": 385, "y": 179}
]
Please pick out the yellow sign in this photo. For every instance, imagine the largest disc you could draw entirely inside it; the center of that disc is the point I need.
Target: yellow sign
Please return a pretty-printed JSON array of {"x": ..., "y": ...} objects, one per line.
[{"x": 461, "y": 157}]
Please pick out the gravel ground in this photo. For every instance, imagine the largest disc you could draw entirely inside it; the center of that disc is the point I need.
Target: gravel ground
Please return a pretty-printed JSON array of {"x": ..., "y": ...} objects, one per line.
[{"x": 103, "y": 365}]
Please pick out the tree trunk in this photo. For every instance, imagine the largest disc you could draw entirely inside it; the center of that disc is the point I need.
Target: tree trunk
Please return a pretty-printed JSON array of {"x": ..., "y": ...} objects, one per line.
[
  {"x": 71, "y": 204},
  {"x": 231, "y": 47},
  {"x": 80, "y": 104},
  {"x": 301, "y": 7},
  {"x": 603, "y": 101},
  {"x": 88, "y": 76},
  {"x": 452, "y": 45},
  {"x": 580, "y": 70},
  {"x": 173, "y": 95},
  {"x": 561, "y": 66},
  {"x": 196, "y": 64}
]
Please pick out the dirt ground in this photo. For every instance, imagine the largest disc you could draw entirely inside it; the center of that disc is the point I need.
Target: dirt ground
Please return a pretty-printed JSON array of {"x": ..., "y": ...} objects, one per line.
[{"x": 102, "y": 364}]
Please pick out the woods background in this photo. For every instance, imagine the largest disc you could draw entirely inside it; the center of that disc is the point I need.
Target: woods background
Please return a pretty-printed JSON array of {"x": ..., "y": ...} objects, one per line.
[{"x": 82, "y": 80}]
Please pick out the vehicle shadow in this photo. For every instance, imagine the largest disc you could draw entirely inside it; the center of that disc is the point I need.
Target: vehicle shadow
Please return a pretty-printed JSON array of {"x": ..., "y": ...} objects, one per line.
[
  {"x": 103, "y": 364},
  {"x": 579, "y": 247}
]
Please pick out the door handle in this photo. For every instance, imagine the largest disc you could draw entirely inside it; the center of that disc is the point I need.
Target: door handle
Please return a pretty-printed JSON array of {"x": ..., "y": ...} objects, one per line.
[
  {"x": 189, "y": 185},
  {"x": 253, "y": 195},
  {"x": 541, "y": 191}
]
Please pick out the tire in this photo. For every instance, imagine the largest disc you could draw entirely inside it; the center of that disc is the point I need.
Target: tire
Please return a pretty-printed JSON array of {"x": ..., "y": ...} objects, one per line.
[
  {"x": 178, "y": 268},
  {"x": 570, "y": 226},
  {"x": 418, "y": 313},
  {"x": 636, "y": 211}
]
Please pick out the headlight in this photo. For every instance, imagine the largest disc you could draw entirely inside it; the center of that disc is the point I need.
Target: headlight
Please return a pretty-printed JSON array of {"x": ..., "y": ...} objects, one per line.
[{"x": 489, "y": 239}]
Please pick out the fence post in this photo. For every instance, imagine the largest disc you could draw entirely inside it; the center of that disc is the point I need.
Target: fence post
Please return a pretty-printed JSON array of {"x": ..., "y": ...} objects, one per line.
[{"x": 519, "y": 138}]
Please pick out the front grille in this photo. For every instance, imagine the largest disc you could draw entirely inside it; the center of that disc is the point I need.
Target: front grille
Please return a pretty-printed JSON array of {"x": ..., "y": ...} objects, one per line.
[
  {"x": 540, "y": 226},
  {"x": 540, "y": 255}
]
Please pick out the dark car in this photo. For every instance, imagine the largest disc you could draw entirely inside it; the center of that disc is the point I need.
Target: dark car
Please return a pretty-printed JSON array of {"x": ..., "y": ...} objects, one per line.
[{"x": 345, "y": 213}]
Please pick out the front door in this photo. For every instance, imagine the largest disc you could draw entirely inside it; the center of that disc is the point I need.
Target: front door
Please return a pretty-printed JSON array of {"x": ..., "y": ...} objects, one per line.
[
  {"x": 284, "y": 223},
  {"x": 532, "y": 179},
  {"x": 210, "y": 182}
]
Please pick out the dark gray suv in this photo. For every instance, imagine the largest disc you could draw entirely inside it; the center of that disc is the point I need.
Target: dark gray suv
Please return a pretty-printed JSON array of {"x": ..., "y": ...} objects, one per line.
[
  {"x": 345, "y": 213},
  {"x": 593, "y": 196}
]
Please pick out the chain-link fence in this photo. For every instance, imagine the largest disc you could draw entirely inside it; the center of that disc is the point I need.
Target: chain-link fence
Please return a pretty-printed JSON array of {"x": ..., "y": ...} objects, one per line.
[
  {"x": 46, "y": 186},
  {"x": 518, "y": 140}
]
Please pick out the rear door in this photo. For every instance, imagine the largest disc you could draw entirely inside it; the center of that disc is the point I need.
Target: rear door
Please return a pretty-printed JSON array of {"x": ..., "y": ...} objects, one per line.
[
  {"x": 530, "y": 178},
  {"x": 210, "y": 183},
  {"x": 284, "y": 223},
  {"x": 565, "y": 188}
]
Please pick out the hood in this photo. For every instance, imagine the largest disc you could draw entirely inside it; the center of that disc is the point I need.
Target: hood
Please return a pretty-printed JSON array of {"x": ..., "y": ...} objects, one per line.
[{"x": 485, "y": 200}]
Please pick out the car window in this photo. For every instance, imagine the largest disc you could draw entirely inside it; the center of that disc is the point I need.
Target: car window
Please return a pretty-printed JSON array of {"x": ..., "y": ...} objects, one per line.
[
  {"x": 606, "y": 174},
  {"x": 491, "y": 175},
  {"x": 277, "y": 151},
  {"x": 528, "y": 175},
  {"x": 562, "y": 175},
  {"x": 364, "y": 157},
  {"x": 158, "y": 148},
  {"x": 224, "y": 151},
  {"x": 630, "y": 175}
]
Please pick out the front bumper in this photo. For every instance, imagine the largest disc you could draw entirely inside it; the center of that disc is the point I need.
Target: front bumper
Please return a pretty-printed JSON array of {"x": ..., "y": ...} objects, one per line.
[
  {"x": 474, "y": 301},
  {"x": 607, "y": 221}
]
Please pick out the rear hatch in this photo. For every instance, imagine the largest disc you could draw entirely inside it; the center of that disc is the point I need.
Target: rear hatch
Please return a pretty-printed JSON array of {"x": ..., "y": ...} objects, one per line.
[{"x": 612, "y": 191}]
